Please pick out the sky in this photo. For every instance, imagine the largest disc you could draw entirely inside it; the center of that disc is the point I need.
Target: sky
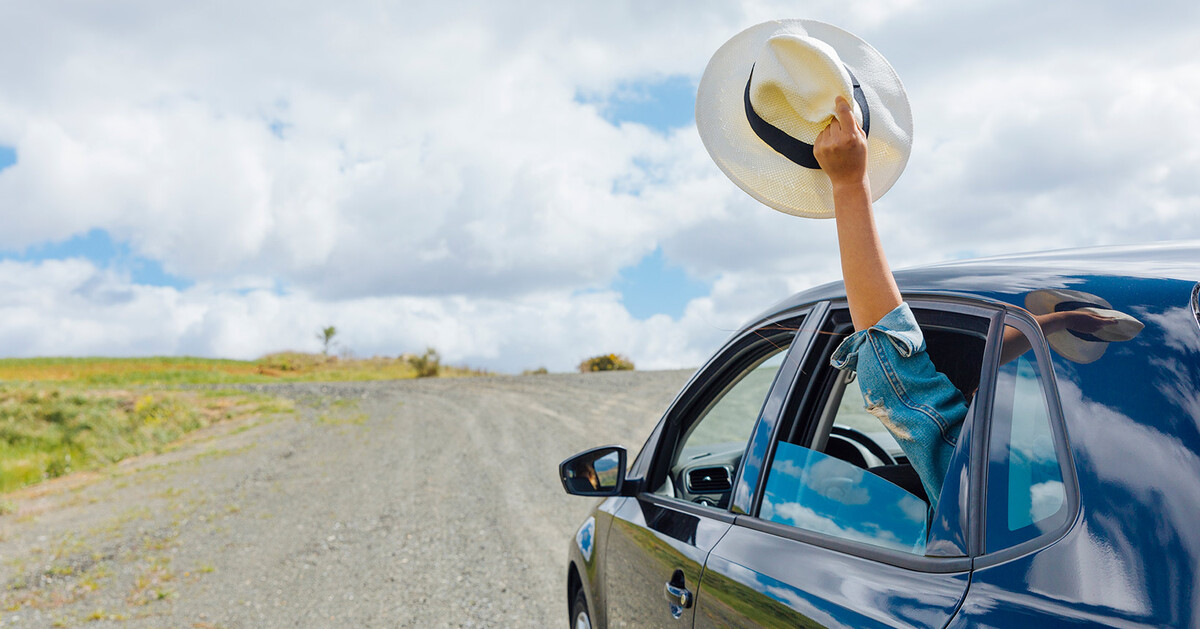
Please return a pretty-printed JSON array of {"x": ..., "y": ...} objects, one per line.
[{"x": 521, "y": 184}]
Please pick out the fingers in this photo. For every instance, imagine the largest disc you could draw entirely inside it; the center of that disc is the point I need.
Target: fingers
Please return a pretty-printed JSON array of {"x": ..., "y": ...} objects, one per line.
[{"x": 842, "y": 111}]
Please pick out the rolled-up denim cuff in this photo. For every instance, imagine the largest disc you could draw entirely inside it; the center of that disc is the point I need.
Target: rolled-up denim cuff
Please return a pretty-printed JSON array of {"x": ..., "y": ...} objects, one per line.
[{"x": 898, "y": 326}]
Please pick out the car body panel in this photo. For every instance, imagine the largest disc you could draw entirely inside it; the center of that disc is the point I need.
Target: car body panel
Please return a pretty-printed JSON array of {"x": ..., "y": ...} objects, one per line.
[
  {"x": 1127, "y": 556},
  {"x": 793, "y": 583},
  {"x": 650, "y": 542},
  {"x": 1132, "y": 554}
]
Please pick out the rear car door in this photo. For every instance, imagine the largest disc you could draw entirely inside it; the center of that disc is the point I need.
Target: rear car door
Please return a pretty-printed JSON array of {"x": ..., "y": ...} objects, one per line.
[
  {"x": 834, "y": 532},
  {"x": 660, "y": 538}
]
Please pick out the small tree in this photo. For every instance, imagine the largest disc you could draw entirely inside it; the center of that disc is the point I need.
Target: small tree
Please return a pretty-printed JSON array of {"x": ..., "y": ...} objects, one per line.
[{"x": 326, "y": 337}]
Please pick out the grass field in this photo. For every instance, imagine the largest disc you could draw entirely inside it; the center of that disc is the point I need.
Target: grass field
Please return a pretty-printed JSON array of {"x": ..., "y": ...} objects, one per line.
[
  {"x": 62, "y": 415},
  {"x": 283, "y": 367},
  {"x": 48, "y": 431}
]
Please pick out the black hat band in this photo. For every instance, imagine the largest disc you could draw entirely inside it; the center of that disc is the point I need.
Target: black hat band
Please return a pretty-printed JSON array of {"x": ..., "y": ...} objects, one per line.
[{"x": 795, "y": 150}]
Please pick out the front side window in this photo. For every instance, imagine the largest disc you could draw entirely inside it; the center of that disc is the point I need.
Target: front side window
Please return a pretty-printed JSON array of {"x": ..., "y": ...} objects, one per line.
[
  {"x": 1026, "y": 495},
  {"x": 703, "y": 466},
  {"x": 817, "y": 492},
  {"x": 841, "y": 471},
  {"x": 838, "y": 487}
]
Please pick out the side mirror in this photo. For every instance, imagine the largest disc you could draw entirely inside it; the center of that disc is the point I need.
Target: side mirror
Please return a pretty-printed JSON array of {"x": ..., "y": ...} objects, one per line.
[{"x": 596, "y": 472}]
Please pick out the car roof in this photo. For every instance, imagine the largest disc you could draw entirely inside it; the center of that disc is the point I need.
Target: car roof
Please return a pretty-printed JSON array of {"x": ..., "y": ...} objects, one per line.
[{"x": 1162, "y": 271}]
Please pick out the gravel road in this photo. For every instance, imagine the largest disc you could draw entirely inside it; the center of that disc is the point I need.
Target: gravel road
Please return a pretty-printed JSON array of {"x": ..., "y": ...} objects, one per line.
[{"x": 421, "y": 503}]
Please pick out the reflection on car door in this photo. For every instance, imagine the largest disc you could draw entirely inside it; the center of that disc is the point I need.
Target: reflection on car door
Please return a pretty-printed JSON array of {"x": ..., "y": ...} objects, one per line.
[
  {"x": 652, "y": 544},
  {"x": 779, "y": 581}
]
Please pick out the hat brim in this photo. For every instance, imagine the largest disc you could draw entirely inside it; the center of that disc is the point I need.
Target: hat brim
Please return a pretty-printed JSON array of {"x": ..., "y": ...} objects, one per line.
[{"x": 768, "y": 176}]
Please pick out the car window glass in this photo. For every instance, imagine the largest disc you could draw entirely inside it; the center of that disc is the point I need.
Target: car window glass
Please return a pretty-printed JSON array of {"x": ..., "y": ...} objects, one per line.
[
  {"x": 817, "y": 492},
  {"x": 703, "y": 466},
  {"x": 731, "y": 417},
  {"x": 858, "y": 433},
  {"x": 838, "y": 487},
  {"x": 840, "y": 471},
  {"x": 1026, "y": 495}
]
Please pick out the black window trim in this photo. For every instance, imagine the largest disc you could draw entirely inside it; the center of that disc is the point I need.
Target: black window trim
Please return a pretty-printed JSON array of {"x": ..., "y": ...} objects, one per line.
[
  {"x": 1028, "y": 326},
  {"x": 686, "y": 506},
  {"x": 990, "y": 310},
  {"x": 747, "y": 492}
]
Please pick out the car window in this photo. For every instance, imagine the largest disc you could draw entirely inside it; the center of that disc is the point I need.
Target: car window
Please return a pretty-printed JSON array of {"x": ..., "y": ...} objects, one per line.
[
  {"x": 840, "y": 472},
  {"x": 731, "y": 417},
  {"x": 857, "y": 435},
  {"x": 703, "y": 466},
  {"x": 1026, "y": 495},
  {"x": 817, "y": 492},
  {"x": 829, "y": 489}
]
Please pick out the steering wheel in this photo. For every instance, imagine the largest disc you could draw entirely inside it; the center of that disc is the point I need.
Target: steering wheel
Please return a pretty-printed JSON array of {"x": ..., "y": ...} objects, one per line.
[{"x": 865, "y": 441}]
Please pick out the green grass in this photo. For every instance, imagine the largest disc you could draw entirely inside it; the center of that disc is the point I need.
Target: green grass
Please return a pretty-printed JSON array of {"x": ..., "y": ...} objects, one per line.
[
  {"x": 49, "y": 431},
  {"x": 166, "y": 371},
  {"x": 64, "y": 415}
]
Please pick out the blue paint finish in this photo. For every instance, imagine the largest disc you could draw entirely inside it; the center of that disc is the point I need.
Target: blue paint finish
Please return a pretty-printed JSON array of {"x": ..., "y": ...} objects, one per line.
[
  {"x": 768, "y": 580},
  {"x": 1126, "y": 555},
  {"x": 656, "y": 287},
  {"x": 661, "y": 104},
  {"x": 8, "y": 156},
  {"x": 98, "y": 247}
]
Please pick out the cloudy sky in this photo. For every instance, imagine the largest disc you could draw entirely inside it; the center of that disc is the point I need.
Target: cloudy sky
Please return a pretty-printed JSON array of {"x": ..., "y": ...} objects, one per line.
[{"x": 521, "y": 184}]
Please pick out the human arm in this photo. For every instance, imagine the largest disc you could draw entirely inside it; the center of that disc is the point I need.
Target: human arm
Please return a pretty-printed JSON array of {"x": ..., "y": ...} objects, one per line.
[{"x": 841, "y": 150}]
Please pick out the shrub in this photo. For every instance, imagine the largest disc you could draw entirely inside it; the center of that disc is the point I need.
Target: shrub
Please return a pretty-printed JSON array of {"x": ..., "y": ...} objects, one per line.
[
  {"x": 606, "y": 362},
  {"x": 535, "y": 372},
  {"x": 427, "y": 365}
]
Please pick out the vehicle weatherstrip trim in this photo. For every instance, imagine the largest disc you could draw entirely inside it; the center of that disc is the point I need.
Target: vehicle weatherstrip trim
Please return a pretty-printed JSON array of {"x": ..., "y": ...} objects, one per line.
[
  {"x": 692, "y": 508},
  {"x": 920, "y": 563}
]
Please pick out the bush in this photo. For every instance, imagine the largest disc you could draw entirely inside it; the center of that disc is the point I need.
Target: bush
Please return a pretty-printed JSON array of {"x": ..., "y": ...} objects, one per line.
[
  {"x": 606, "y": 362},
  {"x": 540, "y": 371},
  {"x": 427, "y": 365}
]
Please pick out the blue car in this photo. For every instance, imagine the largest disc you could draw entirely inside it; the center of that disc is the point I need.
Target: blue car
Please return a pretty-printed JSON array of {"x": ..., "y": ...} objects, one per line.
[{"x": 768, "y": 495}]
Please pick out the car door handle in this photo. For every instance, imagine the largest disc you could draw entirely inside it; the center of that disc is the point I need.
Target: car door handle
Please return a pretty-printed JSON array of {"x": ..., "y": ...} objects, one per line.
[{"x": 678, "y": 596}]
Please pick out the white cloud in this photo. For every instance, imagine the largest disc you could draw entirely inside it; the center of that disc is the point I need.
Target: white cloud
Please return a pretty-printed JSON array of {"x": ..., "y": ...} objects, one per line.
[
  {"x": 421, "y": 174},
  {"x": 70, "y": 307}
]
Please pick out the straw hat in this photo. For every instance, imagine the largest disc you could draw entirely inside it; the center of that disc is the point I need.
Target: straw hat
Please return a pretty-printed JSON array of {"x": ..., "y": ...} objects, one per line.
[
  {"x": 768, "y": 92},
  {"x": 1076, "y": 346}
]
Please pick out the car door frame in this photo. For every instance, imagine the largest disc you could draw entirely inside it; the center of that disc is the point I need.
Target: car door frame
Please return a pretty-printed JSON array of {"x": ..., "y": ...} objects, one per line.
[{"x": 655, "y": 456}]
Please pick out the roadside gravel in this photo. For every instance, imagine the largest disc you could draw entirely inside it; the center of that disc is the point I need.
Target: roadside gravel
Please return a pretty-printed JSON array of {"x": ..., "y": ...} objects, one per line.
[{"x": 418, "y": 503}]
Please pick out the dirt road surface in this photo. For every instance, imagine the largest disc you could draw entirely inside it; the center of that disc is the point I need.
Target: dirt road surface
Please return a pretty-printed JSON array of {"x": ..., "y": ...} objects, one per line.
[{"x": 425, "y": 503}]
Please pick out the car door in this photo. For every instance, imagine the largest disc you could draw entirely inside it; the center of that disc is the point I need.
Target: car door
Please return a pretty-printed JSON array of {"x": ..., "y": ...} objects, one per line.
[
  {"x": 822, "y": 539},
  {"x": 659, "y": 539}
]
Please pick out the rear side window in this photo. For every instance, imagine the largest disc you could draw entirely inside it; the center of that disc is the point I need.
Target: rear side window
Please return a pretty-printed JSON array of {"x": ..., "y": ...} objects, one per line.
[{"x": 1026, "y": 494}]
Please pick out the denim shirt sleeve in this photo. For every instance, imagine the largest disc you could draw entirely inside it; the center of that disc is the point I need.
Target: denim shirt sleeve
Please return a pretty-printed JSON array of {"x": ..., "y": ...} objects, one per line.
[{"x": 919, "y": 405}]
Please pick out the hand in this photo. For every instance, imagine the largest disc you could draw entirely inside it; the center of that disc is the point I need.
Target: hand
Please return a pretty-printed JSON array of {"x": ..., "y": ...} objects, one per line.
[{"x": 841, "y": 149}]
